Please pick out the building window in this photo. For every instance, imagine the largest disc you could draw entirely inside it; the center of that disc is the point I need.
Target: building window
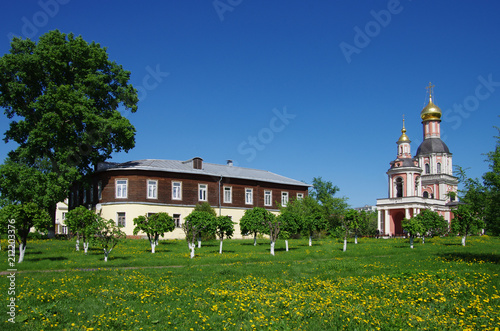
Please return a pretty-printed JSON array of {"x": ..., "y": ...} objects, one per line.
[
  {"x": 427, "y": 168},
  {"x": 268, "y": 198},
  {"x": 64, "y": 216},
  {"x": 64, "y": 229},
  {"x": 438, "y": 169},
  {"x": 300, "y": 196},
  {"x": 176, "y": 191},
  {"x": 202, "y": 192},
  {"x": 120, "y": 219},
  {"x": 426, "y": 195},
  {"x": 228, "y": 196},
  {"x": 121, "y": 188},
  {"x": 177, "y": 220},
  {"x": 399, "y": 187},
  {"x": 248, "y": 196},
  {"x": 284, "y": 198},
  {"x": 152, "y": 189}
]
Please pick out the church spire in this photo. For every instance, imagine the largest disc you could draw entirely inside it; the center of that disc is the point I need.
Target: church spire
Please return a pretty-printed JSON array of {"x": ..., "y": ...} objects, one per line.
[
  {"x": 404, "y": 143},
  {"x": 431, "y": 116}
]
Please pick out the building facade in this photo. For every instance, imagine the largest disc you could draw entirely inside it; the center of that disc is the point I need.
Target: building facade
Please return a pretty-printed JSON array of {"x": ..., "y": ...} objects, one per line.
[
  {"x": 124, "y": 191},
  {"x": 425, "y": 181}
]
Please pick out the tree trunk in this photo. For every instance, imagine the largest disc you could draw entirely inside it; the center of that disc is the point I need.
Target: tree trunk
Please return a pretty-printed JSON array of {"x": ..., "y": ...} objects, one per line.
[
  {"x": 310, "y": 240},
  {"x": 255, "y": 239},
  {"x": 199, "y": 242},
  {"x": 411, "y": 242},
  {"x": 286, "y": 244},
  {"x": 192, "y": 250},
  {"x": 220, "y": 249},
  {"x": 345, "y": 244},
  {"x": 272, "y": 248},
  {"x": 106, "y": 253},
  {"x": 52, "y": 228},
  {"x": 22, "y": 250},
  {"x": 355, "y": 238},
  {"x": 77, "y": 244},
  {"x": 85, "y": 247},
  {"x": 423, "y": 239},
  {"x": 153, "y": 245},
  {"x": 463, "y": 240}
]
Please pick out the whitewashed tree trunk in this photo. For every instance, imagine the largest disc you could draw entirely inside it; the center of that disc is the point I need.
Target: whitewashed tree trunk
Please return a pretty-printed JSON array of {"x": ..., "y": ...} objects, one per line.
[
  {"x": 355, "y": 238},
  {"x": 423, "y": 239},
  {"x": 220, "y": 249},
  {"x": 411, "y": 242},
  {"x": 77, "y": 244},
  {"x": 345, "y": 244},
  {"x": 199, "y": 242},
  {"x": 153, "y": 245},
  {"x": 106, "y": 254},
  {"x": 286, "y": 245},
  {"x": 22, "y": 250},
  {"x": 310, "y": 240},
  {"x": 463, "y": 240},
  {"x": 255, "y": 239},
  {"x": 192, "y": 250},
  {"x": 272, "y": 248},
  {"x": 85, "y": 247}
]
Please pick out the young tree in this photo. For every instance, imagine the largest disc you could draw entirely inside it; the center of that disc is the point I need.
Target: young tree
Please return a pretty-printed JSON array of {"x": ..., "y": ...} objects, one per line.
[
  {"x": 17, "y": 220},
  {"x": 465, "y": 221},
  {"x": 251, "y": 222},
  {"x": 432, "y": 224},
  {"x": 290, "y": 222},
  {"x": 82, "y": 221},
  {"x": 107, "y": 235},
  {"x": 154, "y": 226},
  {"x": 194, "y": 224},
  {"x": 413, "y": 227},
  {"x": 210, "y": 229},
  {"x": 272, "y": 225},
  {"x": 224, "y": 227},
  {"x": 63, "y": 95},
  {"x": 349, "y": 222}
]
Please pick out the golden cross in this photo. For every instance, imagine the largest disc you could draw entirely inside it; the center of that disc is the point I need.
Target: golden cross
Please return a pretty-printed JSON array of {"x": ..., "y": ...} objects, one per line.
[{"x": 430, "y": 88}]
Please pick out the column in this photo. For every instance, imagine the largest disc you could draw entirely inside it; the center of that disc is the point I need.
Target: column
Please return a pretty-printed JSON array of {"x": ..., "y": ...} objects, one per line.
[{"x": 387, "y": 222}]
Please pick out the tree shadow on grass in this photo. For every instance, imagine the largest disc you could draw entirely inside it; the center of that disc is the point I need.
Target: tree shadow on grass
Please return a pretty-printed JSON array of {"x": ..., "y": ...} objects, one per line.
[
  {"x": 450, "y": 244},
  {"x": 56, "y": 258},
  {"x": 471, "y": 257},
  {"x": 283, "y": 249}
]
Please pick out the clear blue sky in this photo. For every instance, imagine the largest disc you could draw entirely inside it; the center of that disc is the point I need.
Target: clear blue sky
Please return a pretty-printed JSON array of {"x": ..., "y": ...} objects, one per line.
[{"x": 300, "y": 88}]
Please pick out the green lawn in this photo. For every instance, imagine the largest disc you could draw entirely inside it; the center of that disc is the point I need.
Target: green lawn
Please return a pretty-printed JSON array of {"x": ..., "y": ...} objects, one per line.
[{"x": 377, "y": 284}]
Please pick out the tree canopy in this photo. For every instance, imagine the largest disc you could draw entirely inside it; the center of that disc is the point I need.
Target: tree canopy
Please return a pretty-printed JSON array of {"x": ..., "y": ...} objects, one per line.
[{"x": 63, "y": 96}]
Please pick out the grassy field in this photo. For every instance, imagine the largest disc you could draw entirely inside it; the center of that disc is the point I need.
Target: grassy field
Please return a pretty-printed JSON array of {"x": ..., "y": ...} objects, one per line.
[{"x": 376, "y": 284}]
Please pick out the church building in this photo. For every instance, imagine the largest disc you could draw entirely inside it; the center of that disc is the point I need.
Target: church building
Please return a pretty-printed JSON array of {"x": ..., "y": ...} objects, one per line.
[{"x": 421, "y": 182}]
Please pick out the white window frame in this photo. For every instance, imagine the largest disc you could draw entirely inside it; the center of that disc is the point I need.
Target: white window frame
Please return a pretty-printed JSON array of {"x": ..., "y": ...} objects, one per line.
[
  {"x": 177, "y": 220},
  {"x": 229, "y": 191},
  {"x": 284, "y": 198},
  {"x": 99, "y": 190},
  {"x": 248, "y": 196},
  {"x": 300, "y": 196},
  {"x": 120, "y": 192},
  {"x": 268, "y": 198},
  {"x": 124, "y": 218},
  {"x": 177, "y": 196},
  {"x": 152, "y": 183},
  {"x": 202, "y": 192}
]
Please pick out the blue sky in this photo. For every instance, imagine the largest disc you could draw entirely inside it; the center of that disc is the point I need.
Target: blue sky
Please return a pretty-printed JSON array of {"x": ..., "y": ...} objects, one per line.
[{"x": 300, "y": 88}]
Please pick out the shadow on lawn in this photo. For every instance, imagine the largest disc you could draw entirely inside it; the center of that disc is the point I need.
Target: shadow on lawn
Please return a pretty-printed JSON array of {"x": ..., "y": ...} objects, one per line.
[
  {"x": 471, "y": 257},
  {"x": 56, "y": 258}
]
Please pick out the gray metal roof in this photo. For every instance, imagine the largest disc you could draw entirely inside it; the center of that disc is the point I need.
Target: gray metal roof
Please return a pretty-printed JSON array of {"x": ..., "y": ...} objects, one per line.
[
  {"x": 432, "y": 145},
  {"x": 209, "y": 169}
]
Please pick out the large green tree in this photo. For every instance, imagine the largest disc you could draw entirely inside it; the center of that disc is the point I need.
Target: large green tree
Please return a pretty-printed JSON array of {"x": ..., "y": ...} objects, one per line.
[
  {"x": 63, "y": 97},
  {"x": 432, "y": 223},
  {"x": 413, "y": 227},
  {"x": 333, "y": 207},
  {"x": 194, "y": 224},
  {"x": 492, "y": 185}
]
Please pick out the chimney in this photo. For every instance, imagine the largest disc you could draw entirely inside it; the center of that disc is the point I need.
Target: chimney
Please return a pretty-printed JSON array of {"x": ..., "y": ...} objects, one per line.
[{"x": 230, "y": 163}]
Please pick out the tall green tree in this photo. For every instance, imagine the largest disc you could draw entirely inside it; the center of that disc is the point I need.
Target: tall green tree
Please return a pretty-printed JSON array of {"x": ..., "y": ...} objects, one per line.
[
  {"x": 209, "y": 231},
  {"x": 333, "y": 207},
  {"x": 17, "y": 220},
  {"x": 290, "y": 222},
  {"x": 63, "y": 97},
  {"x": 492, "y": 184},
  {"x": 154, "y": 226}
]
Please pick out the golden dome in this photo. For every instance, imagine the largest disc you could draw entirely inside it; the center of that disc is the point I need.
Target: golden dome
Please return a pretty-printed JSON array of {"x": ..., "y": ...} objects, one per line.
[
  {"x": 431, "y": 112},
  {"x": 404, "y": 138}
]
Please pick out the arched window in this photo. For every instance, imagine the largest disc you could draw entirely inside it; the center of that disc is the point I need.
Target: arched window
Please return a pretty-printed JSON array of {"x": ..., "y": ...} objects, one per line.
[
  {"x": 426, "y": 194},
  {"x": 427, "y": 168},
  {"x": 439, "y": 168},
  {"x": 399, "y": 187}
]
